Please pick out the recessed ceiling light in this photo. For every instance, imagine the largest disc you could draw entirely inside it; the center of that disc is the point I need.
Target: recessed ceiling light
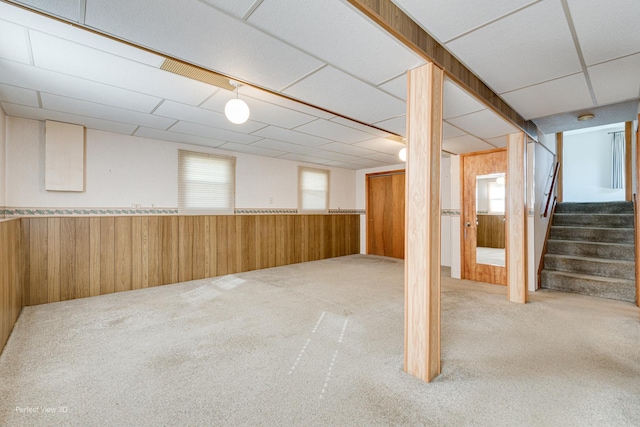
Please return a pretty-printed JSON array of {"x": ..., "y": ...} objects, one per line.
[{"x": 585, "y": 117}]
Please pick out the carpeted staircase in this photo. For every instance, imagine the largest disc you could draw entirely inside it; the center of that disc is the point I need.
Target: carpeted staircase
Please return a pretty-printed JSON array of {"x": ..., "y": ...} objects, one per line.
[{"x": 590, "y": 250}]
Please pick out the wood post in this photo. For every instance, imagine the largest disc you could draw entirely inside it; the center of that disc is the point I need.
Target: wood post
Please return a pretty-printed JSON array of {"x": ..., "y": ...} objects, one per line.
[
  {"x": 559, "y": 136},
  {"x": 628, "y": 168},
  {"x": 637, "y": 217},
  {"x": 422, "y": 214},
  {"x": 516, "y": 219}
]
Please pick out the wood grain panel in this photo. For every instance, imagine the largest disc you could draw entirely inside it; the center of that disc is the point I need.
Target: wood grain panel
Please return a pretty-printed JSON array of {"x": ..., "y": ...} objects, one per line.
[
  {"x": 213, "y": 247},
  {"x": 222, "y": 245},
  {"x": 297, "y": 240},
  {"x": 136, "y": 253},
  {"x": 155, "y": 235},
  {"x": 248, "y": 249},
  {"x": 107, "y": 256},
  {"x": 170, "y": 241},
  {"x": 233, "y": 256},
  {"x": 67, "y": 259},
  {"x": 53, "y": 259},
  {"x": 628, "y": 164},
  {"x": 385, "y": 213},
  {"x": 265, "y": 241},
  {"x": 144, "y": 257},
  {"x": 637, "y": 217},
  {"x": 83, "y": 258},
  {"x": 200, "y": 255},
  {"x": 516, "y": 228},
  {"x": 26, "y": 265},
  {"x": 38, "y": 247},
  {"x": 94, "y": 256},
  {"x": 11, "y": 276},
  {"x": 123, "y": 254},
  {"x": 185, "y": 248},
  {"x": 559, "y": 154}
]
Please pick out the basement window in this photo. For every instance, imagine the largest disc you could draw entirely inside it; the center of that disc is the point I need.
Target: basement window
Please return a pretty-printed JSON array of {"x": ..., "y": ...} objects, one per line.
[
  {"x": 206, "y": 183},
  {"x": 313, "y": 190}
]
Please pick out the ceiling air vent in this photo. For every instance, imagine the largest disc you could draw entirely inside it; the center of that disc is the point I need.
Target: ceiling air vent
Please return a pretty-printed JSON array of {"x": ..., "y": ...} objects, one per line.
[{"x": 196, "y": 73}]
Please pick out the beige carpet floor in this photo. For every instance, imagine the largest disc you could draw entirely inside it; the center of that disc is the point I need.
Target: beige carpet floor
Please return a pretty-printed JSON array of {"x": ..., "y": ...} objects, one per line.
[{"x": 319, "y": 343}]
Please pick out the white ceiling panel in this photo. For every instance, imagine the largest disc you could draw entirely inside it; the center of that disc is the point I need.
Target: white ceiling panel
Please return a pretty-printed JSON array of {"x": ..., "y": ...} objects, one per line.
[
  {"x": 344, "y": 165},
  {"x": 261, "y": 111},
  {"x": 368, "y": 163},
  {"x": 13, "y": 42},
  {"x": 528, "y": 47},
  {"x": 91, "y": 64},
  {"x": 606, "y": 29},
  {"x": 251, "y": 149},
  {"x": 283, "y": 146},
  {"x": 304, "y": 158},
  {"x": 457, "y": 102},
  {"x": 334, "y": 131},
  {"x": 385, "y": 158},
  {"x": 450, "y": 131},
  {"x": 202, "y": 116},
  {"x": 465, "y": 144},
  {"x": 339, "y": 147},
  {"x": 382, "y": 145},
  {"x": 237, "y": 7},
  {"x": 361, "y": 127},
  {"x": 18, "y": 95},
  {"x": 177, "y": 137},
  {"x": 280, "y": 100},
  {"x": 397, "y": 125},
  {"x": 483, "y": 124},
  {"x": 338, "y": 157},
  {"x": 90, "y": 122},
  {"x": 68, "y": 9},
  {"x": 564, "y": 94},
  {"x": 446, "y": 19},
  {"x": 291, "y": 136},
  {"x": 342, "y": 93},
  {"x": 617, "y": 80},
  {"x": 106, "y": 112},
  {"x": 29, "y": 77},
  {"x": 321, "y": 28},
  {"x": 190, "y": 32},
  {"x": 214, "y": 133},
  {"x": 396, "y": 87},
  {"x": 499, "y": 142}
]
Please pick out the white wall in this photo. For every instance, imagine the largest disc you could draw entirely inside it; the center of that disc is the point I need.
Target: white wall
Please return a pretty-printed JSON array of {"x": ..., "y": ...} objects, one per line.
[
  {"x": 3, "y": 163},
  {"x": 587, "y": 166},
  {"x": 123, "y": 170}
]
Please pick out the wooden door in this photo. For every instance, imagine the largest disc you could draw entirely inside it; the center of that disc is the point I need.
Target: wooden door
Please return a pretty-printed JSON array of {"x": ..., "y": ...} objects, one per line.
[
  {"x": 483, "y": 228},
  {"x": 385, "y": 214}
]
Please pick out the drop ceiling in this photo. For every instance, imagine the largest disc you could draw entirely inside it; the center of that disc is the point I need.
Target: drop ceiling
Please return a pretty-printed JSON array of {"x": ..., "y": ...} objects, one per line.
[{"x": 323, "y": 53}]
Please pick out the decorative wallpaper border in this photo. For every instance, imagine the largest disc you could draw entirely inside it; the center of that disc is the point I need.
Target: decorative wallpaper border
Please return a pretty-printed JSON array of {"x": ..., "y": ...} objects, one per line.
[
  {"x": 450, "y": 212},
  {"x": 13, "y": 212},
  {"x": 348, "y": 211},
  {"x": 245, "y": 211}
]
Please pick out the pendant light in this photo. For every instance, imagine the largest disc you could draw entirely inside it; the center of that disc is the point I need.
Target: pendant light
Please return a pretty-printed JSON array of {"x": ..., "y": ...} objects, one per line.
[
  {"x": 236, "y": 110},
  {"x": 403, "y": 154}
]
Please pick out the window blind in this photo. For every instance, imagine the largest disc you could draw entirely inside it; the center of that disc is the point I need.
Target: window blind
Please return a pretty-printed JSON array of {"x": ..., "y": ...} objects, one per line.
[
  {"x": 206, "y": 183},
  {"x": 313, "y": 190}
]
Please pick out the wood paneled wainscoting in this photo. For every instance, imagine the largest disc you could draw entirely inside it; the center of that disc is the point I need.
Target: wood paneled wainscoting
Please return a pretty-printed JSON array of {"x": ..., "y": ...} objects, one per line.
[
  {"x": 10, "y": 277},
  {"x": 76, "y": 257}
]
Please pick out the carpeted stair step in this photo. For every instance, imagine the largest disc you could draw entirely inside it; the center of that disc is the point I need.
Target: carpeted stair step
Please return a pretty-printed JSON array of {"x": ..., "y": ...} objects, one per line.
[
  {"x": 617, "y": 220},
  {"x": 602, "y": 287},
  {"x": 592, "y": 234},
  {"x": 621, "y": 251},
  {"x": 601, "y": 208},
  {"x": 613, "y": 268}
]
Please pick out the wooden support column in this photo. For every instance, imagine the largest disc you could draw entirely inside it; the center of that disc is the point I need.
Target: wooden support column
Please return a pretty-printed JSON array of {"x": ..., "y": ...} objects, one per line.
[
  {"x": 628, "y": 168},
  {"x": 637, "y": 236},
  {"x": 516, "y": 219},
  {"x": 559, "y": 137},
  {"x": 422, "y": 214}
]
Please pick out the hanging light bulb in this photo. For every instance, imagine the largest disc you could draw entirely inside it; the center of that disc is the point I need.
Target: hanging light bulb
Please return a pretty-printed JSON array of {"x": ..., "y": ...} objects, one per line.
[
  {"x": 236, "y": 110},
  {"x": 403, "y": 154}
]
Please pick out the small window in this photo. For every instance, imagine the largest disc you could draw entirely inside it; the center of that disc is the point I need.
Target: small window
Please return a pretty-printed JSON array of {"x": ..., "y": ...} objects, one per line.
[
  {"x": 313, "y": 190},
  {"x": 206, "y": 183}
]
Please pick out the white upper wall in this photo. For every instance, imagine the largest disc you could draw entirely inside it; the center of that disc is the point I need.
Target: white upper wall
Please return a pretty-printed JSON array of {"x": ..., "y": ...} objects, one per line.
[{"x": 123, "y": 170}]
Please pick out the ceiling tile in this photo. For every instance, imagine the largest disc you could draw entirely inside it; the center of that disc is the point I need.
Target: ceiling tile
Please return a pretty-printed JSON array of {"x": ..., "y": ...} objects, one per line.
[
  {"x": 18, "y": 95},
  {"x": 338, "y": 157},
  {"x": 190, "y": 32},
  {"x": 74, "y": 59},
  {"x": 304, "y": 158},
  {"x": 29, "y": 77},
  {"x": 68, "y": 9},
  {"x": 499, "y": 142},
  {"x": 450, "y": 131},
  {"x": 214, "y": 133},
  {"x": 286, "y": 135},
  {"x": 13, "y": 42},
  {"x": 202, "y": 116},
  {"x": 606, "y": 29},
  {"x": 564, "y": 94},
  {"x": 397, "y": 125},
  {"x": 90, "y": 122},
  {"x": 446, "y": 19},
  {"x": 347, "y": 149},
  {"x": 343, "y": 165},
  {"x": 346, "y": 95},
  {"x": 528, "y": 47},
  {"x": 465, "y": 144},
  {"x": 261, "y": 111},
  {"x": 106, "y": 112},
  {"x": 483, "y": 124},
  {"x": 385, "y": 158},
  {"x": 281, "y": 100},
  {"x": 616, "y": 81},
  {"x": 368, "y": 163},
  {"x": 396, "y": 87},
  {"x": 177, "y": 137},
  {"x": 337, "y": 34},
  {"x": 361, "y": 127},
  {"x": 457, "y": 102},
  {"x": 237, "y": 8},
  {"x": 283, "y": 146},
  {"x": 333, "y": 131},
  {"x": 251, "y": 149},
  {"x": 382, "y": 145}
]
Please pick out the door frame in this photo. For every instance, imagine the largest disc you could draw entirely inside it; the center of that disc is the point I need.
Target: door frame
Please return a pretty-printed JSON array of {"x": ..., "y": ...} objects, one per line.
[{"x": 368, "y": 200}]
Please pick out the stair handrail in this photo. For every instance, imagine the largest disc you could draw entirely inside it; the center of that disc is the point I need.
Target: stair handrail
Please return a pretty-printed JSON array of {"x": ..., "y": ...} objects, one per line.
[
  {"x": 546, "y": 240},
  {"x": 549, "y": 194}
]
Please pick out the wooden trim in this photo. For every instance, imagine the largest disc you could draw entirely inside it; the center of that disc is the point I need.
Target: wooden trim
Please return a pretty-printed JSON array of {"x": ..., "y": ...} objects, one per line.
[
  {"x": 559, "y": 155},
  {"x": 422, "y": 222},
  {"x": 391, "y": 18},
  {"x": 628, "y": 168},
  {"x": 516, "y": 219},
  {"x": 637, "y": 217},
  {"x": 546, "y": 239}
]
